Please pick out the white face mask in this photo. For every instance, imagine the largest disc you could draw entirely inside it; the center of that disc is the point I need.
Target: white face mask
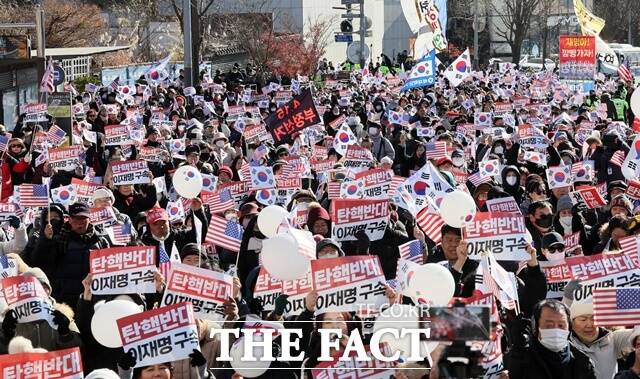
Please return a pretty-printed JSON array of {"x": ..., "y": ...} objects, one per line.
[
  {"x": 352, "y": 121},
  {"x": 554, "y": 257},
  {"x": 566, "y": 222},
  {"x": 554, "y": 339},
  {"x": 511, "y": 180},
  {"x": 373, "y": 131},
  {"x": 498, "y": 150},
  {"x": 220, "y": 144},
  {"x": 458, "y": 162}
]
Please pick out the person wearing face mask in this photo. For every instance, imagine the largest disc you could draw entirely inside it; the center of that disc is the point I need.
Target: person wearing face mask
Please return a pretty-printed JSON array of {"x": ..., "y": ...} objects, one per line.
[
  {"x": 328, "y": 248},
  {"x": 222, "y": 151},
  {"x": 601, "y": 345},
  {"x": 545, "y": 351},
  {"x": 511, "y": 183},
  {"x": 355, "y": 125},
  {"x": 539, "y": 222},
  {"x": 611, "y": 233},
  {"x": 553, "y": 247},
  {"x": 480, "y": 194},
  {"x": 380, "y": 145}
]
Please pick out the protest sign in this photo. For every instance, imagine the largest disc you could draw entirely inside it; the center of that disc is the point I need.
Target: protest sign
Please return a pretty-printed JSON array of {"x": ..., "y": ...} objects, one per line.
[
  {"x": 504, "y": 205},
  {"x": 532, "y": 137},
  {"x": 66, "y": 158},
  {"x": 577, "y": 57},
  {"x": 608, "y": 270},
  {"x": 164, "y": 334},
  {"x": 238, "y": 190},
  {"x": 102, "y": 216},
  {"x": 27, "y": 298},
  {"x": 267, "y": 289},
  {"x": 351, "y": 216},
  {"x": 633, "y": 189},
  {"x": 571, "y": 242},
  {"x": 121, "y": 270},
  {"x": 34, "y": 112},
  {"x": 7, "y": 210},
  {"x": 116, "y": 135},
  {"x": 346, "y": 284},
  {"x": 256, "y": 133},
  {"x": 151, "y": 154},
  {"x": 206, "y": 290},
  {"x": 377, "y": 183},
  {"x": 287, "y": 187},
  {"x": 130, "y": 172},
  {"x": 588, "y": 195},
  {"x": 84, "y": 190},
  {"x": 357, "y": 158},
  {"x": 292, "y": 117},
  {"x": 356, "y": 369},
  {"x": 501, "y": 233},
  {"x": 59, "y": 364}
]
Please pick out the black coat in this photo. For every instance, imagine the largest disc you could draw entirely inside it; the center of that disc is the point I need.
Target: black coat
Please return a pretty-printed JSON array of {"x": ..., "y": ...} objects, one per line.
[
  {"x": 138, "y": 202},
  {"x": 527, "y": 362}
]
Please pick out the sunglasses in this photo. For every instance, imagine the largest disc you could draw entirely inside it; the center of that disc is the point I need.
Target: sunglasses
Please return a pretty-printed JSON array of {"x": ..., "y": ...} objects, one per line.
[
  {"x": 12, "y": 146},
  {"x": 556, "y": 248}
]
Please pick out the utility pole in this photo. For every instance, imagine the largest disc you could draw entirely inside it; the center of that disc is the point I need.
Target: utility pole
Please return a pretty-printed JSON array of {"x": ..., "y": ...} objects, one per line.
[
  {"x": 40, "y": 37},
  {"x": 476, "y": 22},
  {"x": 188, "y": 43},
  {"x": 629, "y": 38}
]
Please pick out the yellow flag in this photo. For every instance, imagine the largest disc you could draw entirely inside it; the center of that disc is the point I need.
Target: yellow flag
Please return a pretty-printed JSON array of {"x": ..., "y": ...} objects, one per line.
[{"x": 590, "y": 23}]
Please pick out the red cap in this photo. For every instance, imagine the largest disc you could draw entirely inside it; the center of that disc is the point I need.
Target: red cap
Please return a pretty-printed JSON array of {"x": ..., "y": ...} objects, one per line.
[{"x": 156, "y": 214}]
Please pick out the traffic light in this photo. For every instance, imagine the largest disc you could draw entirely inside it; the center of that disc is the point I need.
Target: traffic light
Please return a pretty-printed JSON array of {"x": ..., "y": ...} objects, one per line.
[{"x": 346, "y": 26}]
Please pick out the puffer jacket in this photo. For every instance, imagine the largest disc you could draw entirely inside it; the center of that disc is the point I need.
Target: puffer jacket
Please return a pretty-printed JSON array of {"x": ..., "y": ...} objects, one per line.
[
  {"x": 605, "y": 350},
  {"x": 65, "y": 260},
  {"x": 43, "y": 335}
]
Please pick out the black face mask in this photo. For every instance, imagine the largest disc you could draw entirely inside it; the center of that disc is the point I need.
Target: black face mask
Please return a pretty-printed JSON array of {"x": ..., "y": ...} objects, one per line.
[
  {"x": 545, "y": 221},
  {"x": 204, "y": 157},
  {"x": 56, "y": 224}
]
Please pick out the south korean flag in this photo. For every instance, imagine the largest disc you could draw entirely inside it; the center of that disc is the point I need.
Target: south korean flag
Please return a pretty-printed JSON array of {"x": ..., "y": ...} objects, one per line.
[
  {"x": 559, "y": 176},
  {"x": 262, "y": 177},
  {"x": 489, "y": 168},
  {"x": 267, "y": 196},
  {"x": 353, "y": 189}
]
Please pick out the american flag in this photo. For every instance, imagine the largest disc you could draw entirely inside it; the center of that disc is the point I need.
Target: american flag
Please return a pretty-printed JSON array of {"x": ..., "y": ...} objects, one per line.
[
  {"x": 4, "y": 141},
  {"x": 245, "y": 171},
  {"x": 396, "y": 181},
  {"x": 616, "y": 306},
  {"x": 430, "y": 223},
  {"x": 476, "y": 179},
  {"x": 46, "y": 85},
  {"x": 486, "y": 279},
  {"x": 412, "y": 251},
  {"x": 220, "y": 201},
  {"x": 115, "y": 84},
  {"x": 121, "y": 234},
  {"x": 224, "y": 233},
  {"x": 333, "y": 190},
  {"x": 617, "y": 158},
  {"x": 624, "y": 73},
  {"x": 164, "y": 261},
  {"x": 33, "y": 195},
  {"x": 56, "y": 135},
  {"x": 629, "y": 244},
  {"x": 435, "y": 150}
]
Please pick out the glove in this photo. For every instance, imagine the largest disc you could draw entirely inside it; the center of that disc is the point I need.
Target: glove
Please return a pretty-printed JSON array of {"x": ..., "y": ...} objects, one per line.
[
  {"x": 578, "y": 209},
  {"x": 197, "y": 359},
  {"x": 14, "y": 222},
  {"x": 62, "y": 322},
  {"x": 281, "y": 304},
  {"x": 521, "y": 331},
  {"x": 571, "y": 288},
  {"x": 127, "y": 360},
  {"x": 9, "y": 324},
  {"x": 363, "y": 241}
]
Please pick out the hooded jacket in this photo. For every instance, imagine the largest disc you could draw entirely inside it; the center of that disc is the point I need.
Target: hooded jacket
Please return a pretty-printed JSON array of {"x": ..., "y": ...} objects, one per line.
[
  {"x": 607, "y": 348},
  {"x": 514, "y": 190}
]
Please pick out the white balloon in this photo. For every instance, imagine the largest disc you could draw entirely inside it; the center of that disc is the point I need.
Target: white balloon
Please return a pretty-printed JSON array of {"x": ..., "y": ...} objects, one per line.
[
  {"x": 248, "y": 369},
  {"x": 104, "y": 326},
  {"x": 430, "y": 284},
  {"x": 187, "y": 181},
  {"x": 457, "y": 208},
  {"x": 281, "y": 257},
  {"x": 635, "y": 102},
  {"x": 270, "y": 218}
]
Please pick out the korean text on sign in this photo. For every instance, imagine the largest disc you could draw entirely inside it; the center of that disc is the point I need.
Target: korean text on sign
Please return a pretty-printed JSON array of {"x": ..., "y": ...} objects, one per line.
[{"x": 121, "y": 270}]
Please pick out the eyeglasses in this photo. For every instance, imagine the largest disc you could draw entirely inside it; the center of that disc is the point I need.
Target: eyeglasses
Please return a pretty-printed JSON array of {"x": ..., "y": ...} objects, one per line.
[{"x": 12, "y": 146}]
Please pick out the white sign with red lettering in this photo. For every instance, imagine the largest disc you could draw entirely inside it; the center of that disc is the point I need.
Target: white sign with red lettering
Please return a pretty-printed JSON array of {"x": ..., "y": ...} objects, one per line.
[
  {"x": 357, "y": 158},
  {"x": 351, "y": 216},
  {"x": 7, "y": 210},
  {"x": 207, "y": 290},
  {"x": 102, "y": 216},
  {"x": 267, "y": 289},
  {"x": 377, "y": 183},
  {"x": 160, "y": 335},
  {"x": 501, "y": 233},
  {"x": 346, "y": 284},
  {"x": 59, "y": 364},
  {"x": 608, "y": 270},
  {"x": 355, "y": 369},
  {"x": 589, "y": 195},
  {"x": 116, "y": 135},
  {"x": 28, "y": 299},
  {"x": 130, "y": 172},
  {"x": 121, "y": 270},
  {"x": 84, "y": 190},
  {"x": 65, "y": 158},
  {"x": 504, "y": 205}
]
